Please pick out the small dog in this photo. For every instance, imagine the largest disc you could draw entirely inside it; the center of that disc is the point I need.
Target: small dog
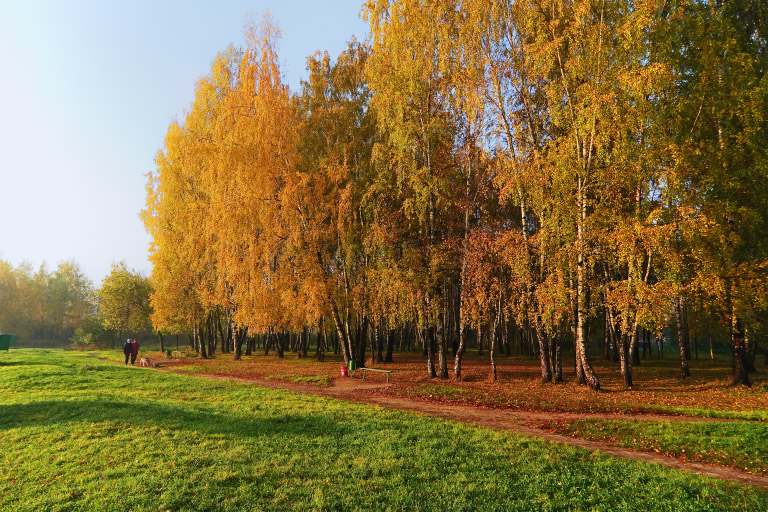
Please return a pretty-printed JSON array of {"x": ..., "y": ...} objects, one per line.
[{"x": 144, "y": 361}]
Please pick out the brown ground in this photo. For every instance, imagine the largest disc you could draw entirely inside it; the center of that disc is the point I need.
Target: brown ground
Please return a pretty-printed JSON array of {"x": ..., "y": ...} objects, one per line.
[{"x": 517, "y": 402}]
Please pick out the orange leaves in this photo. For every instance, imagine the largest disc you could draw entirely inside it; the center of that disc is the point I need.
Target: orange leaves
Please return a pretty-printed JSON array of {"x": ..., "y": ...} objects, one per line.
[{"x": 202, "y": 209}]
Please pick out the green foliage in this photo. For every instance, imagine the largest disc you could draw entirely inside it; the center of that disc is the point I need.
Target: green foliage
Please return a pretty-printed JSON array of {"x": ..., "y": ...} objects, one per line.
[
  {"x": 92, "y": 335},
  {"x": 73, "y": 438},
  {"x": 124, "y": 300},
  {"x": 83, "y": 340},
  {"x": 45, "y": 304}
]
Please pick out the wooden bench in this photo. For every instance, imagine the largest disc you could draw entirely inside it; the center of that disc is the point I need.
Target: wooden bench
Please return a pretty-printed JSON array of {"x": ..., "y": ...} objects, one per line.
[
  {"x": 375, "y": 370},
  {"x": 176, "y": 354}
]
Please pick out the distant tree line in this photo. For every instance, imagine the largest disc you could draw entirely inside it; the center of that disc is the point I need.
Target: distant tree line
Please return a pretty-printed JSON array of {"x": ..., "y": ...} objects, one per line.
[
  {"x": 565, "y": 173},
  {"x": 63, "y": 305}
]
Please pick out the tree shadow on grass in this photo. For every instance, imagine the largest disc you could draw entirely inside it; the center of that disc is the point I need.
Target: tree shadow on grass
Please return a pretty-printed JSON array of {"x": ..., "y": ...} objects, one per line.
[
  {"x": 408, "y": 447},
  {"x": 24, "y": 363},
  {"x": 207, "y": 420}
]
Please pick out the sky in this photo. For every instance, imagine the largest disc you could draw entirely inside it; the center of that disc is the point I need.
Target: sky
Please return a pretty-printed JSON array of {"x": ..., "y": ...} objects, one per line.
[{"x": 87, "y": 91}]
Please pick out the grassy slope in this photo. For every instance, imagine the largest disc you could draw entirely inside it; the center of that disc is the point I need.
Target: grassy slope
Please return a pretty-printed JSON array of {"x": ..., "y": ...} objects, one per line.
[{"x": 80, "y": 434}]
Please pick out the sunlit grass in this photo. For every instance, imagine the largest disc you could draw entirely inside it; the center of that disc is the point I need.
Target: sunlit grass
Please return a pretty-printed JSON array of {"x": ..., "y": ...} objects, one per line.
[
  {"x": 658, "y": 388},
  {"x": 81, "y": 434},
  {"x": 319, "y": 380},
  {"x": 442, "y": 391},
  {"x": 743, "y": 445}
]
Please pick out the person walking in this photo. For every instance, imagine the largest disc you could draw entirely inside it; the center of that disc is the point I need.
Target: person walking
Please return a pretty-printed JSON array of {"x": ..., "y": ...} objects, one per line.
[
  {"x": 127, "y": 350},
  {"x": 134, "y": 351}
]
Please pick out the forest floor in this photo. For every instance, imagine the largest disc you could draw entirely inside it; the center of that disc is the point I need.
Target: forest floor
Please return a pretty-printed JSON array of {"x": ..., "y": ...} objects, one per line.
[{"x": 699, "y": 425}]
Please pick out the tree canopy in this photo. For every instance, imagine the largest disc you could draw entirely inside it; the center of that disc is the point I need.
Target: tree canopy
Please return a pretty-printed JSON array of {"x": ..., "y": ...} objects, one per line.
[{"x": 477, "y": 170}]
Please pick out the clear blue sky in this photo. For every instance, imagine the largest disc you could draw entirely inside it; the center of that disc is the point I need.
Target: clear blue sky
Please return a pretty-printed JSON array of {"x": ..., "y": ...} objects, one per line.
[{"x": 88, "y": 89}]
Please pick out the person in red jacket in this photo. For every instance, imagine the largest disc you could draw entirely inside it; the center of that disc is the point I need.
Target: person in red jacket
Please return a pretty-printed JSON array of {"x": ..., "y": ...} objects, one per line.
[{"x": 134, "y": 351}]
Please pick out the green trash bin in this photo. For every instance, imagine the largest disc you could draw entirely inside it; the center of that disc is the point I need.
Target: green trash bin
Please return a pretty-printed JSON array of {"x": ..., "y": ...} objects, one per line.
[
  {"x": 5, "y": 342},
  {"x": 167, "y": 353},
  {"x": 352, "y": 366}
]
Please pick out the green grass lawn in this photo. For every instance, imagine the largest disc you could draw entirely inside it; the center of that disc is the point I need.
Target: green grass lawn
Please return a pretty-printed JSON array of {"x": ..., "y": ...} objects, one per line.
[
  {"x": 77, "y": 433},
  {"x": 741, "y": 445}
]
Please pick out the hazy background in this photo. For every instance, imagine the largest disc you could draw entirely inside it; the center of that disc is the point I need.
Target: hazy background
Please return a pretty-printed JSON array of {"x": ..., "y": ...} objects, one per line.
[{"x": 88, "y": 89}]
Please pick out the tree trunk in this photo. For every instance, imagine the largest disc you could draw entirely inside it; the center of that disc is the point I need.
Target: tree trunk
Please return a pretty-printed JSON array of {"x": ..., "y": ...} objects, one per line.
[
  {"x": 492, "y": 350},
  {"x": 494, "y": 337},
  {"x": 373, "y": 329},
  {"x": 238, "y": 339},
  {"x": 625, "y": 360},
  {"x": 634, "y": 347},
  {"x": 607, "y": 339},
  {"x": 280, "y": 342},
  {"x": 336, "y": 342},
  {"x": 479, "y": 340},
  {"x": 461, "y": 347},
  {"x": 505, "y": 337},
  {"x": 381, "y": 334},
  {"x": 696, "y": 347},
  {"x": 646, "y": 343},
  {"x": 162, "y": 345},
  {"x": 686, "y": 333},
  {"x": 426, "y": 340},
  {"x": 221, "y": 335},
  {"x": 390, "y": 343},
  {"x": 586, "y": 371},
  {"x": 627, "y": 348},
  {"x": 749, "y": 352},
  {"x": 684, "y": 371},
  {"x": 341, "y": 332},
  {"x": 211, "y": 335},
  {"x": 557, "y": 362},
  {"x": 494, "y": 334},
  {"x": 546, "y": 369},
  {"x": 321, "y": 340},
  {"x": 442, "y": 348},
  {"x": 574, "y": 332},
  {"x": 201, "y": 343},
  {"x": 739, "y": 373},
  {"x": 362, "y": 341}
]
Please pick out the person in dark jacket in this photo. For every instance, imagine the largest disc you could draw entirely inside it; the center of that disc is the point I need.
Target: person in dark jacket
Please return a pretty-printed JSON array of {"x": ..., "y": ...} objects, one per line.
[
  {"x": 127, "y": 350},
  {"x": 134, "y": 351}
]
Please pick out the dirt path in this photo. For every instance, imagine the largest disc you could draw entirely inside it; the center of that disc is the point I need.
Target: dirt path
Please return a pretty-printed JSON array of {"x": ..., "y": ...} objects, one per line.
[
  {"x": 515, "y": 421},
  {"x": 353, "y": 390}
]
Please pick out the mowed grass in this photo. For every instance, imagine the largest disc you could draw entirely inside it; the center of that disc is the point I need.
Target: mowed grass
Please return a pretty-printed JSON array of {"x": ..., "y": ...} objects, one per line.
[
  {"x": 658, "y": 387},
  {"x": 741, "y": 445},
  {"x": 77, "y": 433}
]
